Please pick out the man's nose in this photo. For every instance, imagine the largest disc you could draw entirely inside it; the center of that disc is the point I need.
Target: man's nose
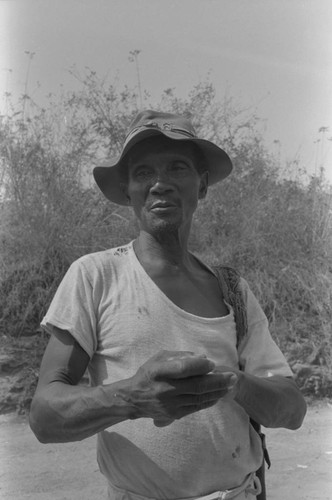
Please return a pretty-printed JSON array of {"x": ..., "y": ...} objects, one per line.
[{"x": 161, "y": 183}]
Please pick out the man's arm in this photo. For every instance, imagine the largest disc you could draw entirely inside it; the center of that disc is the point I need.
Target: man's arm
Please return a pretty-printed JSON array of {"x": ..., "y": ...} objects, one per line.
[
  {"x": 271, "y": 401},
  {"x": 168, "y": 386},
  {"x": 63, "y": 411}
]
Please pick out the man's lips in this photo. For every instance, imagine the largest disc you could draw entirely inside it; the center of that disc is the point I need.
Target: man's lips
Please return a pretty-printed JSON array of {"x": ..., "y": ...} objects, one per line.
[{"x": 162, "y": 205}]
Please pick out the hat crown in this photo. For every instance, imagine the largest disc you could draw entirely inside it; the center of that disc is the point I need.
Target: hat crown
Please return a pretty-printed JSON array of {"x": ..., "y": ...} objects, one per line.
[{"x": 165, "y": 122}]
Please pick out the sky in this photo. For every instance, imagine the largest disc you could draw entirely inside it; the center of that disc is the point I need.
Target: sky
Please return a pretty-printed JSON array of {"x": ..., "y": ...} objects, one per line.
[{"x": 273, "y": 56}]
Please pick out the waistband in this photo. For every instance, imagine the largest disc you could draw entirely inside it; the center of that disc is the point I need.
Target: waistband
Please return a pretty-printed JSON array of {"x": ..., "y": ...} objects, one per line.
[{"x": 251, "y": 485}]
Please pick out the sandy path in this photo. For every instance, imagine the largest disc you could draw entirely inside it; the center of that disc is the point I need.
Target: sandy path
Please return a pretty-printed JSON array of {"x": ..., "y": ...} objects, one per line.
[{"x": 301, "y": 468}]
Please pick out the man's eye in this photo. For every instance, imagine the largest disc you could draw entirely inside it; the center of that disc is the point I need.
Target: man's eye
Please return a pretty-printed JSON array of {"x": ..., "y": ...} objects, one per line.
[
  {"x": 179, "y": 166},
  {"x": 141, "y": 173}
]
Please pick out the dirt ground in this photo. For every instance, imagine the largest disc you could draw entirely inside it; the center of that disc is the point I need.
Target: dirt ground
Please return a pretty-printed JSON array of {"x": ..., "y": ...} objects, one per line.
[{"x": 301, "y": 463}]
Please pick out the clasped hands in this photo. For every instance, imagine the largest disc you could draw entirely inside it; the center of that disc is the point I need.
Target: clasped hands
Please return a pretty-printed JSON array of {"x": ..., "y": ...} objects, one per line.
[{"x": 171, "y": 385}]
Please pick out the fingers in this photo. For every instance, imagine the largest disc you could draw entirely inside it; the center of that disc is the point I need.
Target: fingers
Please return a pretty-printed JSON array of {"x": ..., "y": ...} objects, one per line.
[
  {"x": 182, "y": 367},
  {"x": 189, "y": 405},
  {"x": 163, "y": 422},
  {"x": 188, "y": 410},
  {"x": 165, "y": 355},
  {"x": 200, "y": 400},
  {"x": 200, "y": 385},
  {"x": 176, "y": 406},
  {"x": 171, "y": 385}
]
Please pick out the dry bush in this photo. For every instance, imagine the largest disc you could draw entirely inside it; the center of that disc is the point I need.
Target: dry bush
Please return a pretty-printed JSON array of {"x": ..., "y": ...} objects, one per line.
[
  {"x": 50, "y": 214},
  {"x": 277, "y": 233}
]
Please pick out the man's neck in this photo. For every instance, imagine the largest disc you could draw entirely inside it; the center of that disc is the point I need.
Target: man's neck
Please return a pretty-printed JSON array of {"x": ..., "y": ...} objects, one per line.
[{"x": 163, "y": 252}]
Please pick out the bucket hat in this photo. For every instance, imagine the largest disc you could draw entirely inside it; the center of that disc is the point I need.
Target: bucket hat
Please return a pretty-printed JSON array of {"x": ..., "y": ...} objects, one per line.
[{"x": 150, "y": 123}]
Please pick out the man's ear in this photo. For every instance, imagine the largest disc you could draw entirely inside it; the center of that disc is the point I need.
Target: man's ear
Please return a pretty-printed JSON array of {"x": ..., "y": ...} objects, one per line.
[{"x": 203, "y": 187}]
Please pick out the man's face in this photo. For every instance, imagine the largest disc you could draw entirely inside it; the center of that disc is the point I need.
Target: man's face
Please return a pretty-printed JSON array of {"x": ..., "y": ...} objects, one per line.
[{"x": 164, "y": 185}]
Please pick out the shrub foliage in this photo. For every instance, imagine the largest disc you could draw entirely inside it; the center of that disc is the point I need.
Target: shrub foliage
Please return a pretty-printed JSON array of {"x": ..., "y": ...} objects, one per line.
[{"x": 275, "y": 230}]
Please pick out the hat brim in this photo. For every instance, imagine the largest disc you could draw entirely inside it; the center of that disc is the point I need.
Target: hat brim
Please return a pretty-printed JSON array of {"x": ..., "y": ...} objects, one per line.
[{"x": 108, "y": 175}]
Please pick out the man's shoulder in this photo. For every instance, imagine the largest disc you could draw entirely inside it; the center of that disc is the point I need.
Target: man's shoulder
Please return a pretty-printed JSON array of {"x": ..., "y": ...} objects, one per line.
[
  {"x": 232, "y": 277},
  {"x": 104, "y": 258}
]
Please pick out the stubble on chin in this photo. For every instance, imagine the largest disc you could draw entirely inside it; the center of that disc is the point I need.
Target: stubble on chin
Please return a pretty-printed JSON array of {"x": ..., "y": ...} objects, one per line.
[{"x": 159, "y": 227}]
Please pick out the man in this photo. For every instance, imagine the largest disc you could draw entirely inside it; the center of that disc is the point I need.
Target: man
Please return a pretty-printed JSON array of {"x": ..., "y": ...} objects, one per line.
[{"x": 167, "y": 398}]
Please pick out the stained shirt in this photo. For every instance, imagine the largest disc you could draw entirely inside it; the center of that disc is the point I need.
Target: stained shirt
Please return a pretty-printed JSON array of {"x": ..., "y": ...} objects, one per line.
[{"x": 121, "y": 318}]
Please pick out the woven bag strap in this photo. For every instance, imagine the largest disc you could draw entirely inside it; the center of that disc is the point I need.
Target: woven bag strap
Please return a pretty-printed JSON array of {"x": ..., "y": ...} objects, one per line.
[{"x": 229, "y": 280}]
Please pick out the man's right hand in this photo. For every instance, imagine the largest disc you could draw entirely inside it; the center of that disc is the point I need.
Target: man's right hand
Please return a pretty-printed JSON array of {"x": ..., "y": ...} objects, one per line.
[
  {"x": 171, "y": 385},
  {"x": 168, "y": 386}
]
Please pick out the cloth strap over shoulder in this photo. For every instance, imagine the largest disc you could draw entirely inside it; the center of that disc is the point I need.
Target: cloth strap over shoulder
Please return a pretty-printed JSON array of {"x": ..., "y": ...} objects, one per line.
[
  {"x": 229, "y": 280},
  {"x": 230, "y": 284}
]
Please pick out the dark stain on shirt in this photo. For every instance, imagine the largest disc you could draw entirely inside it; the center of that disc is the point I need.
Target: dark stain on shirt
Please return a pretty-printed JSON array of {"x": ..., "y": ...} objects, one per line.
[
  {"x": 236, "y": 453},
  {"x": 121, "y": 251},
  {"x": 143, "y": 310}
]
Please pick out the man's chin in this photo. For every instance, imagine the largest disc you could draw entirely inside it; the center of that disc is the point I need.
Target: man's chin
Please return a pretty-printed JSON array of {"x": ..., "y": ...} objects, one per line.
[{"x": 161, "y": 226}]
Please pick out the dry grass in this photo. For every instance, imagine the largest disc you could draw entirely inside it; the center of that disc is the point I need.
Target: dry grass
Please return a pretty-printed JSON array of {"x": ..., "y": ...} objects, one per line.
[{"x": 276, "y": 232}]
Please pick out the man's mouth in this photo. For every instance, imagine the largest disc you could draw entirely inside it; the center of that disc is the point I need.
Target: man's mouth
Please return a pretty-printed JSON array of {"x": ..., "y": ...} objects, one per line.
[{"x": 162, "y": 206}]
